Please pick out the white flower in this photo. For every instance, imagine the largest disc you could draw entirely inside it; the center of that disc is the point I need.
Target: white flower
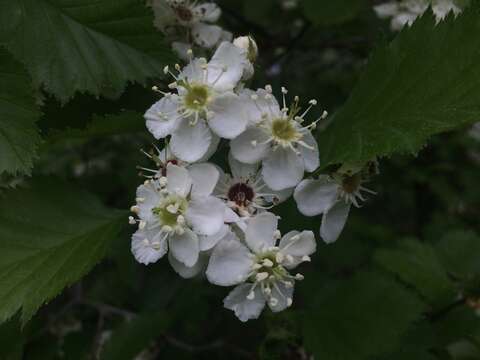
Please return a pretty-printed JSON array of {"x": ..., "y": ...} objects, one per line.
[
  {"x": 406, "y": 12},
  {"x": 279, "y": 139},
  {"x": 196, "y": 18},
  {"x": 331, "y": 196},
  {"x": 261, "y": 267},
  {"x": 176, "y": 213},
  {"x": 245, "y": 192},
  {"x": 204, "y": 102}
]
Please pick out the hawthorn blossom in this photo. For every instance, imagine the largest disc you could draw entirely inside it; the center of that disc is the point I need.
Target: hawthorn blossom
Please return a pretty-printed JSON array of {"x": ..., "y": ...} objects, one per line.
[
  {"x": 278, "y": 138},
  {"x": 204, "y": 105},
  {"x": 177, "y": 213},
  {"x": 193, "y": 18},
  {"x": 331, "y": 196},
  {"x": 260, "y": 267},
  {"x": 245, "y": 191},
  {"x": 405, "y": 12}
]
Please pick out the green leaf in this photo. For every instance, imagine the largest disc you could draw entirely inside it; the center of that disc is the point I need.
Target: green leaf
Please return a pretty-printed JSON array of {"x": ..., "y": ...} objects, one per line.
[
  {"x": 84, "y": 45},
  {"x": 51, "y": 234},
  {"x": 417, "y": 264},
  {"x": 19, "y": 136},
  {"x": 133, "y": 337},
  {"x": 327, "y": 12},
  {"x": 459, "y": 252},
  {"x": 359, "y": 318},
  {"x": 421, "y": 84}
]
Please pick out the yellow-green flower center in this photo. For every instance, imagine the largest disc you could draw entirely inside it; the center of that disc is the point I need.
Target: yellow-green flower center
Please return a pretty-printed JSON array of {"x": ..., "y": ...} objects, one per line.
[
  {"x": 170, "y": 209},
  {"x": 284, "y": 131},
  {"x": 269, "y": 264},
  {"x": 197, "y": 97}
]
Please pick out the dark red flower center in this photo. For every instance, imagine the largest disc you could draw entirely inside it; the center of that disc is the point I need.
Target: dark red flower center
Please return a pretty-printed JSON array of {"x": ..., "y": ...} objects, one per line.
[
  {"x": 183, "y": 13},
  {"x": 241, "y": 194}
]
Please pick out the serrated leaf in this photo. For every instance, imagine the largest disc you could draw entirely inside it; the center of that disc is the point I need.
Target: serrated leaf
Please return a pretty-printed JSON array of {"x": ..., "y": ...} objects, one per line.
[
  {"x": 83, "y": 45},
  {"x": 327, "y": 12},
  {"x": 360, "y": 318},
  {"x": 423, "y": 83},
  {"x": 459, "y": 252},
  {"x": 133, "y": 337},
  {"x": 51, "y": 234},
  {"x": 417, "y": 264},
  {"x": 19, "y": 137}
]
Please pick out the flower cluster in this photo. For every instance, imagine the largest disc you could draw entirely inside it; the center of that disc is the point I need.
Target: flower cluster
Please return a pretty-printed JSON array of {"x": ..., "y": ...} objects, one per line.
[
  {"x": 219, "y": 222},
  {"x": 405, "y": 12},
  {"x": 189, "y": 23}
]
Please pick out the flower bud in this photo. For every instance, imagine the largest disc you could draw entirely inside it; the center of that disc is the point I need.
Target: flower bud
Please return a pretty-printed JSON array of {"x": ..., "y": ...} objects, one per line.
[{"x": 248, "y": 44}]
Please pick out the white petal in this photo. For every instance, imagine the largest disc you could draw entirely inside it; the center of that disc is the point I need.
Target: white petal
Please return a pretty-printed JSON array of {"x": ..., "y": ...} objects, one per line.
[
  {"x": 142, "y": 249},
  {"x": 185, "y": 247},
  {"x": 281, "y": 293},
  {"x": 386, "y": 9},
  {"x": 226, "y": 36},
  {"x": 226, "y": 67},
  {"x": 181, "y": 49},
  {"x": 242, "y": 170},
  {"x": 208, "y": 242},
  {"x": 209, "y": 12},
  {"x": 244, "y": 308},
  {"x": 314, "y": 197},
  {"x": 311, "y": 157},
  {"x": 211, "y": 149},
  {"x": 282, "y": 169},
  {"x": 178, "y": 180},
  {"x": 298, "y": 243},
  {"x": 205, "y": 215},
  {"x": 230, "y": 263},
  {"x": 260, "y": 231},
  {"x": 250, "y": 147},
  {"x": 205, "y": 177},
  {"x": 150, "y": 199},
  {"x": 185, "y": 271},
  {"x": 275, "y": 196},
  {"x": 194, "y": 71},
  {"x": 157, "y": 124},
  {"x": 264, "y": 105},
  {"x": 229, "y": 119},
  {"x": 206, "y": 35},
  {"x": 333, "y": 222},
  {"x": 230, "y": 216},
  {"x": 190, "y": 143}
]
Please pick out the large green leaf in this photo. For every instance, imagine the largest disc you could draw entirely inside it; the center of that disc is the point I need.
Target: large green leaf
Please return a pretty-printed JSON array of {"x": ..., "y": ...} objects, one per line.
[
  {"x": 417, "y": 264},
  {"x": 83, "y": 45},
  {"x": 51, "y": 234},
  {"x": 19, "y": 136},
  {"x": 423, "y": 83},
  {"x": 359, "y": 318}
]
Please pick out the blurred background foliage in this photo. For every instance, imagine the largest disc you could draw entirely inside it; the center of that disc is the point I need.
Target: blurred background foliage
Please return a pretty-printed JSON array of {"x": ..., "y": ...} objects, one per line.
[{"x": 402, "y": 282}]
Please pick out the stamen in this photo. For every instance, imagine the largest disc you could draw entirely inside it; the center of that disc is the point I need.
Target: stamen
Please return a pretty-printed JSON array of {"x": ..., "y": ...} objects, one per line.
[{"x": 135, "y": 209}]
